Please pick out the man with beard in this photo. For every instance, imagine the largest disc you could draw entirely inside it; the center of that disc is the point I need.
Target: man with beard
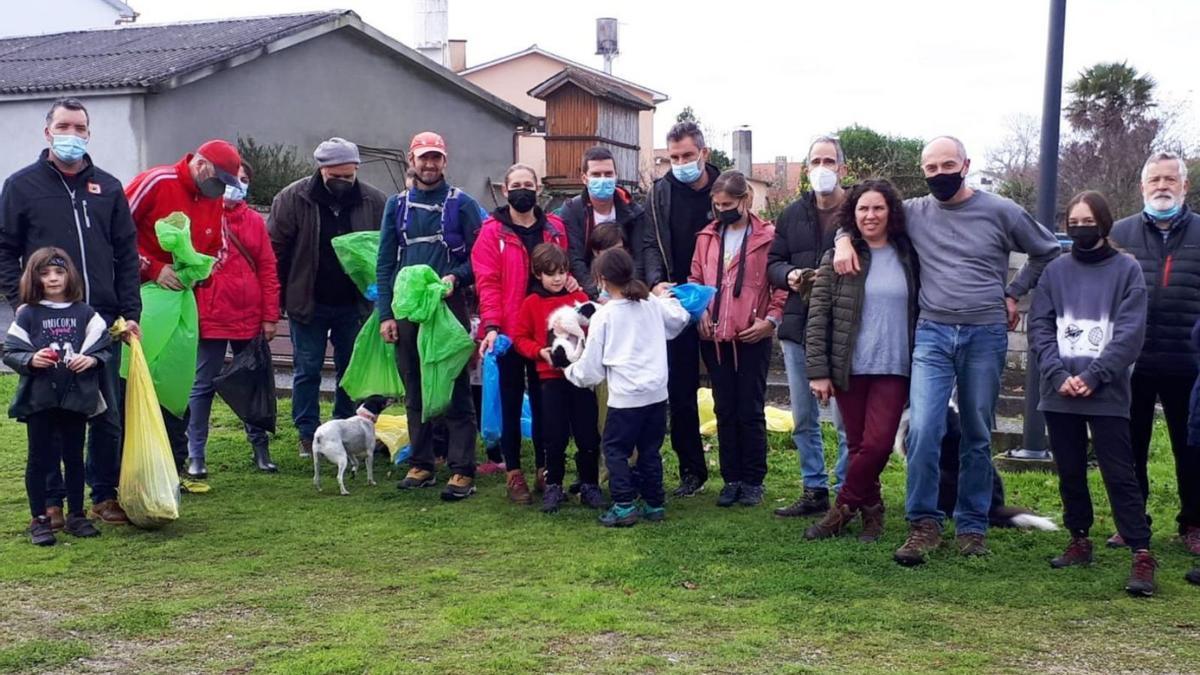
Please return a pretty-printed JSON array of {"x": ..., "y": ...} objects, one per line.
[{"x": 432, "y": 224}]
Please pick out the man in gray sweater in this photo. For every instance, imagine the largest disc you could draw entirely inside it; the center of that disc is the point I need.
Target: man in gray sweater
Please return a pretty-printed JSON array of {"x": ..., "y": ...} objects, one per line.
[{"x": 963, "y": 238}]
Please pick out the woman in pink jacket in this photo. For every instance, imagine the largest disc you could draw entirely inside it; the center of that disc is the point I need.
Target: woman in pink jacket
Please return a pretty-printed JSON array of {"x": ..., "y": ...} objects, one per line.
[
  {"x": 503, "y": 277},
  {"x": 240, "y": 302},
  {"x": 736, "y": 332}
]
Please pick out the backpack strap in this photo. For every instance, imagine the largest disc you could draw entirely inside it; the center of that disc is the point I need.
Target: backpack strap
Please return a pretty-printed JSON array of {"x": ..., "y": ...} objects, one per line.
[{"x": 449, "y": 232}]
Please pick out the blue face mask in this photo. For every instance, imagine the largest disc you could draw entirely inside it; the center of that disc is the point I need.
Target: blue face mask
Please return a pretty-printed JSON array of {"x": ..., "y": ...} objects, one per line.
[
  {"x": 68, "y": 147},
  {"x": 1162, "y": 215},
  {"x": 687, "y": 173},
  {"x": 602, "y": 188},
  {"x": 234, "y": 195}
]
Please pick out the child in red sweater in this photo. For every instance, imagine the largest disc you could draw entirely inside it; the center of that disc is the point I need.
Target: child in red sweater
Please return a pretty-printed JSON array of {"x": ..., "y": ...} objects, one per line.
[{"x": 567, "y": 411}]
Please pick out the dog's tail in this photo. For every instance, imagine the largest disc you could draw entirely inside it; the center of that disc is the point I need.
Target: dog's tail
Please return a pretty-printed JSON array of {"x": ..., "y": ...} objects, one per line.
[{"x": 1019, "y": 517}]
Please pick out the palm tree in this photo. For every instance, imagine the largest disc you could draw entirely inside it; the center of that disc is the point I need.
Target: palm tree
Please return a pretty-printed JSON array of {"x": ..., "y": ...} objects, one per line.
[{"x": 1108, "y": 94}]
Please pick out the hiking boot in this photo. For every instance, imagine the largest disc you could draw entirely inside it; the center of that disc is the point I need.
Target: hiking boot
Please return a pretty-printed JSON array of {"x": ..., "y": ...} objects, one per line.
[
  {"x": 1115, "y": 541},
  {"x": 193, "y": 486},
  {"x": 262, "y": 460},
  {"x": 1193, "y": 576},
  {"x": 813, "y": 502},
  {"x": 458, "y": 487},
  {"x": 653, "y": 514},
  {"x": 489, "y": 467},
  {"x": 1191, "y": 540},
  {"x": 518, "y": 489},
  {"x": 539, "y": 479},
  {"x": 620, "y": 515},
  {"x": 40, "y": 533},
  {"x": 78, "y": 525},
  {"x": 688, "y": 486},
  {"x": 1078, "y": 552},
  {"x": 729, "y": 494},
  {"x": 1141, "y": 576},
  {"x": 924, "y": 536},
  {"x": 196, "y": 469},
  {"x": 552, "y": 498},
  {"x": 832, "y": 524},
  {"x": 751, "y": 495},
  {"x": 55, "y": 514},
  {"x": 872, "y": 519},
  {"x": 591, "y": 496},
  {"x": 305, "y": 448},
  {"x": 109, "y": 511},
  {"x": 971, "y": 544},
  {"x": 417, "y": 478}
]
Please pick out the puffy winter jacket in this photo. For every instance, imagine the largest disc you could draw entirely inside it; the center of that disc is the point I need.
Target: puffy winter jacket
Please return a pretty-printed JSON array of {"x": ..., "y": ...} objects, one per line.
[
  {"x": 239, "y": 297},
  {"x": 501, "y": 266},
  {"x": 161, "y": 191},
  {"x": 580, "y": 220},
  {"x": 835, "y": 311},
  {"x": 799, "y": 244},
  {"x": 1172, "y": 272},
  {"x": 757, "y": 299}
]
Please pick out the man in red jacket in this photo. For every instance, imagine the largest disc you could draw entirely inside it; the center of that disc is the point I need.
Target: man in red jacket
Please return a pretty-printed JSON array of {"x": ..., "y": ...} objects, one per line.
[{"x": 195, "y": 185}]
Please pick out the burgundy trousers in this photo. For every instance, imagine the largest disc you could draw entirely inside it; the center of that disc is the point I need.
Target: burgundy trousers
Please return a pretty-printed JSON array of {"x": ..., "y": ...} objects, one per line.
[{"x": 871, "y": 410}]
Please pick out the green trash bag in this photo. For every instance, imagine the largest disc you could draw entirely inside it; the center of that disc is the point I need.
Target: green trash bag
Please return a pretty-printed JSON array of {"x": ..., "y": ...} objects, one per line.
[
  {"x": 358, "y": 252},
  {"x": 170, "y": 323},
  {"x": 443, "y": 345},
  {"x": 372, "y": 369}
]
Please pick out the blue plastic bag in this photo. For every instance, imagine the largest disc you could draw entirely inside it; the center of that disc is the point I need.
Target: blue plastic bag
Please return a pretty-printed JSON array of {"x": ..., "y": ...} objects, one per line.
[
  {"x": 694, "y": 298},
  {"x": 403, "y": 455},
  {"x": 526, "y": 418},
  {"x": 491, "y": 417}
]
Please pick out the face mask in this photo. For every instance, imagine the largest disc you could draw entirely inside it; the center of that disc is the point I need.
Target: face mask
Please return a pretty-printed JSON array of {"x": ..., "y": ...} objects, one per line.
[
  {"x": 522, "y": 200},
  {"x": 1084, "y": 238},
  {"x": 823, "y": 180},
  {"x": 944, "y": 185},
  {"x": 602, "y": 188},
  {"x": 1166, "y": 214},
  {"x": 604, "y": 296},
  {"x": 69, "y": 147},
  {"x": 729, "y": 217},
  {"x": 212, "y": 187},
  {"x": 338, "y": 187},
  {"x": 687, "y": 173},
  {"x": 234, "y": 195}
]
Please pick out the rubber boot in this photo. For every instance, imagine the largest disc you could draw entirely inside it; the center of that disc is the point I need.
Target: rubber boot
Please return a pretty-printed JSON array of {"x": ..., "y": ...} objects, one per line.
[
  {"x": 262, "y": 460},
  {"x": 196, "y": 468}
]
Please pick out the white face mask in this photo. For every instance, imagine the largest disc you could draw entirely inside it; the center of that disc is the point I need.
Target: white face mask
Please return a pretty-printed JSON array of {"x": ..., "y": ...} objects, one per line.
[{"x": 823, "y": 180}]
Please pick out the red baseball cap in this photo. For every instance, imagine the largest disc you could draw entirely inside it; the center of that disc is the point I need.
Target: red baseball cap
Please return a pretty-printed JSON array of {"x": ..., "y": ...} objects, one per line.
[
  {"x": 425, "y": 142},
  {"x": 225, "y": 158}
]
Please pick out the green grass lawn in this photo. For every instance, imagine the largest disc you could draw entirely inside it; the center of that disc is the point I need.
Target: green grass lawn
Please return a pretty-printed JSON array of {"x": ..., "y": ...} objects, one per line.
[{"x": 265, "y": 574}]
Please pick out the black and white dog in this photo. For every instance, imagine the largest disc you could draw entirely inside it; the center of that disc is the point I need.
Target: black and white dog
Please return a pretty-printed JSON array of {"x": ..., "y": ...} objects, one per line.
[{"x": 347, "y": 442}]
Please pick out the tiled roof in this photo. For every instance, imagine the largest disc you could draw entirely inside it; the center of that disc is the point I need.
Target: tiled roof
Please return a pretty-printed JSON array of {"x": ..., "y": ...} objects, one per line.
[{"x": 595, "y": 85}]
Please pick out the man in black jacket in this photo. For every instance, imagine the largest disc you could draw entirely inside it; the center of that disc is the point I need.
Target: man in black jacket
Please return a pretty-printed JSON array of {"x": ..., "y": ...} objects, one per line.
[
  {"x": 601, "y": 202},
  {"x": 1165, "y": 239},
  {"x": 64, "y": 200},
  {"x": 678, "y": 207},
  {"x": 803, "y": 233}
]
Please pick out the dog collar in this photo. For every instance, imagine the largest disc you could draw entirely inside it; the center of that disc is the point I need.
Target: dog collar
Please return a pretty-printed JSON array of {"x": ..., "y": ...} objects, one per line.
[{"x": 367, "y": 415}]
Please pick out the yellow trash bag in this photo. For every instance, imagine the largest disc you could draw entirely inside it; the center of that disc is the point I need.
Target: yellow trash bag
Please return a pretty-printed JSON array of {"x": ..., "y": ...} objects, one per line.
[
  {"x": 708, "y": 418},
  {"x": 779, "y": 420},
  {"x": 392, "y": 431},
  {"x": 149, "y": 484}
]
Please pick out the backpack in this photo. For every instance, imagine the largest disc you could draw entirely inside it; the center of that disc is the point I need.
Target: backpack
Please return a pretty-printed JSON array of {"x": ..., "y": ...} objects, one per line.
[{"x": 448, "y": 235}]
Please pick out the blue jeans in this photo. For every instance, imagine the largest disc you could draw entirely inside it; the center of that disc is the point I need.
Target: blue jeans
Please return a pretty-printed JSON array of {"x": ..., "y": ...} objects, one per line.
[
  {"x": 210, "y": 358},
  {"x": 330, "y": 323},
  {"x": 974, "y": 357},
  {"x": 806, "y": 416}
]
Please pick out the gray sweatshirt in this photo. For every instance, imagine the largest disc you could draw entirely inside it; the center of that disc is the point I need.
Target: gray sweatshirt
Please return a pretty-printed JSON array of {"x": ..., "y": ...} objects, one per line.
[
  {"x": 1088, "y": 319},
  {"x": 964, "y": 256}
]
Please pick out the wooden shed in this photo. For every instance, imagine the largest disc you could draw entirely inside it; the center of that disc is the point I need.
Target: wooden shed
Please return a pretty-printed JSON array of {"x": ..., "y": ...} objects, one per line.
[{"x": 583, "y": 110}]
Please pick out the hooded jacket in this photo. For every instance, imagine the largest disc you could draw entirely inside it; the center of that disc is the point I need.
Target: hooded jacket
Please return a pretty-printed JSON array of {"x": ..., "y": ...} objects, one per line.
[
  {"x": 157, "y": 193},
  {"x": 580, "y": 221},
  {"x": 757, "y": 299},
  {"x": 239, "y": 296},
  {"x": 657, "y": 261},
  {"x": 69, "y": 328},
  {"x": 501, "y": 266}
]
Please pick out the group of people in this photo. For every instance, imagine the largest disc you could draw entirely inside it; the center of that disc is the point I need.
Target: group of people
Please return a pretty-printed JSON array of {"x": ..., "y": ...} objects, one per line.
[{"x": 879, "y": 304}]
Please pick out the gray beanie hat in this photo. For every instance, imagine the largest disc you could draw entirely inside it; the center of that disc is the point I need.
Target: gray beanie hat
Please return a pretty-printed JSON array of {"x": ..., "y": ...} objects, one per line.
[{"x": 336, "y": 151}]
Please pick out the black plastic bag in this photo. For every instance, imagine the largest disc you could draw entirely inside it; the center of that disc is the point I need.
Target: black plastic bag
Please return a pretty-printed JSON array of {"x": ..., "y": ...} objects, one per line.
[{"x": 247, "y": 384}]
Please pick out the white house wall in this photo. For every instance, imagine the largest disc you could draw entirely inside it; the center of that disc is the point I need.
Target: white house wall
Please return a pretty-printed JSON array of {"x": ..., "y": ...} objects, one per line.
[
  {"x": 116, "y": 123},
  {"x": 25, "y": 18}
]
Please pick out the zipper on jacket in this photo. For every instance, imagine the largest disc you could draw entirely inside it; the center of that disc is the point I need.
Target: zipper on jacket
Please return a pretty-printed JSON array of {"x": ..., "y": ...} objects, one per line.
[
  {"x": 1166, "y": 273},
  {"x": 87, "y": 286}
]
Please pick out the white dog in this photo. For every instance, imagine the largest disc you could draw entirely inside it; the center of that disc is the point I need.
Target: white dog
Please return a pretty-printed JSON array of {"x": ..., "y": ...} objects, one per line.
[
  {"x": 346, "y": 442},
  {"x": 566, "y": 326}
]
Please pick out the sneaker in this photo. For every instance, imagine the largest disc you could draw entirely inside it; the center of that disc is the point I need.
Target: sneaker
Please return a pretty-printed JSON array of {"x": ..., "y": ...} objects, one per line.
[
  {"x": 109, "y": 511},
  {"x": 1141, "y": 576},
  {"x": 193, "y": 486},
  {"x": 591, "y": 496},
  {"x": 653, "y": 514},
  {"x": 1191, "y": 540},
  {"x": 813, "y": 502},
  {"x": 40, "y": 533},
  {"x": 872, "y": 519},
  {"x": 459, "y": 487},
  {"x": 1115, "y": 541},
  {"x": 971, "y": 544},
  {"x": 1193, "y": 576},
  {"x": 518, "y": 489},
  {"x": 620, "y": 515},
  {"x": 417, "y": 478},
  {"x": 55, "y": 514},
  {"x": 832, "y": 524},
  {"x": 305, "y": 448},
  {"x": 688, "y": 486},
  {"x": 924, "y": 537},
  {"x": 539, "y": 479},
  {"x": 552, "y": 498},
  {"x": 729, "y": 494},
  {"x": 489, "y": 468},
  {"x": 1078, "y": 552},
  {"x": 78, "y": 525},
  {"x": 750, "y": 495}
]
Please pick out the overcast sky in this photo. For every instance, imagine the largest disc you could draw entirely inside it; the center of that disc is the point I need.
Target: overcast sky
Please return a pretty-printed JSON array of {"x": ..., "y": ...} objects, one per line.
[{"x": 795, "y": 70}]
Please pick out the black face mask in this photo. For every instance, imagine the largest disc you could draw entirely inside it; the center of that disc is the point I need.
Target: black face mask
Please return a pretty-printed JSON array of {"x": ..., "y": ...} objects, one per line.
[
  {"x": 944, "y": 185},
  {"x": 729, "y": 217},
  {"x": 1084, "y": 238},
  {"x": 338, "y": 187},
  {"x": 522, "y": 200},
  {"x": 212, "y": 187}
]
